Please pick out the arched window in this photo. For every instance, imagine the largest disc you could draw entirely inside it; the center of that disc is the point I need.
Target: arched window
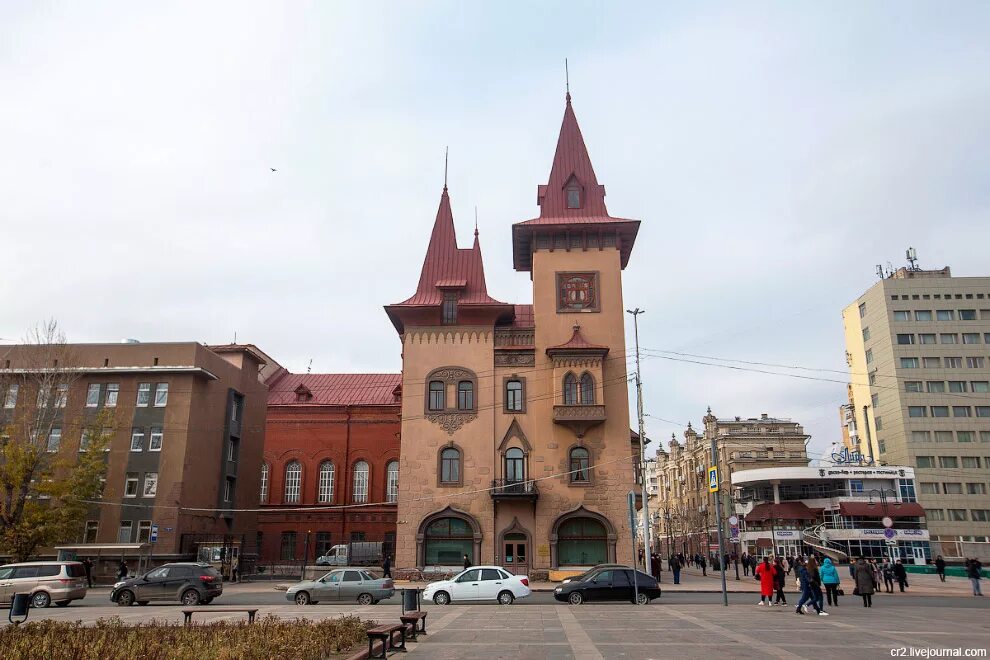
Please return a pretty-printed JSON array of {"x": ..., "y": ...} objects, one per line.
[
  {"x": 465, "y": 395},
  {"x": 392, "y": 482},
  {"x": 447, "y": 540},
  {"x": 579, "y": 465},
  {"x": 437, "y": 395},
  {"x": 293, "y": 482},
  {"x": 360, "y": 482},
  {"x": 325, "y": 492},
  {"x": 570, "y": 390},
  {"x": 263, "y": 495},
  {"x": 450, "y": 466},
  {"x": 581, "y": 542},
  {"x": 587, "y": 389},
  {"x": 514, "y": 396},
  {"x": 573, "y": 195},
  {"x": 515, "y": 468}
]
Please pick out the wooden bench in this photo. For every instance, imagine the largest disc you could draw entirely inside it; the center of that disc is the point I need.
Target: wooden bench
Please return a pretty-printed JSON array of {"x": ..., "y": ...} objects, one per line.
[
  {"x": 418, "y": 622},
  {"x": 386, "y": 634},
  {"x": 251, "y": 611}
]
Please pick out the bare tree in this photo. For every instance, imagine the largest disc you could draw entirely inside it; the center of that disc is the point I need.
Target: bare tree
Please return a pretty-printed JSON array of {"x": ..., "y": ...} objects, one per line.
[{"x": 46, "y": 484}]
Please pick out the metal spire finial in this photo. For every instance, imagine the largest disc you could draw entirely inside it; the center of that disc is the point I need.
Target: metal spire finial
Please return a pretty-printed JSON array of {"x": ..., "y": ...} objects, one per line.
[
  {"x": 567, "y": 80},
  {"x": 476, "y": 222},
  {"x": 446, "y": 150}
]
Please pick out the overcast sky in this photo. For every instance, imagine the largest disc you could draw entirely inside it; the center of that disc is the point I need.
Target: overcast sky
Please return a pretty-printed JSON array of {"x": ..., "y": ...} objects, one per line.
[{"x": 776, "y": 152}]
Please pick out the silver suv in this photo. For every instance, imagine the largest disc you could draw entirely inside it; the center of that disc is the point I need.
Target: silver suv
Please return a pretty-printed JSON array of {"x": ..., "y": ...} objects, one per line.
[{"x": 59, "y": 582}]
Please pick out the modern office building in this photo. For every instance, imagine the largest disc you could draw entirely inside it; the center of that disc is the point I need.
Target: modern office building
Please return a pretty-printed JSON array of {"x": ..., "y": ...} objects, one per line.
[{"x": 918, "y": 347}]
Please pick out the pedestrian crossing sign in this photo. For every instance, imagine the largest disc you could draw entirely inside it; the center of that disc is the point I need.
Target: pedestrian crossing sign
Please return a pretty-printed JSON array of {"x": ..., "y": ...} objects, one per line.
[{"x": 713, "y": 479}]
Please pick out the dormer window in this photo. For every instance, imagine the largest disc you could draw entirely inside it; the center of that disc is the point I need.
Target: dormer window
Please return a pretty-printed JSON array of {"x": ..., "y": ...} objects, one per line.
[
  {"x": 573, "y": 191},
  {"x": 449, "y": 309}
]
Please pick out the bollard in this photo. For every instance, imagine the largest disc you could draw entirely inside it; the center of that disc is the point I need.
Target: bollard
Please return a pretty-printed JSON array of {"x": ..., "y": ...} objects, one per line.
[{"x": 19, "y": 607}]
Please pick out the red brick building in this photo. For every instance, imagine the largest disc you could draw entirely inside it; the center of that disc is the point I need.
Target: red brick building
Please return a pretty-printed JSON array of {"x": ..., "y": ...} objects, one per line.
[{"x": 331, "y": 460}]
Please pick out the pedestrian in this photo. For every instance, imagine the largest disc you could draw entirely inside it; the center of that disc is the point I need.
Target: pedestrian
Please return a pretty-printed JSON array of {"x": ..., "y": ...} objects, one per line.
[
  {"x": 901, "y": 574},
  {"x": 816, "y": 583},
  {"x": 765, "y": 573},
  {"x": 974, "y": 573},
  {"x": 888, "y": 576},
  {"x": 877, "y": 574},
  {"x": 830, "y": 579},
  {"x": 122, "y": 570},
  {"x": 779, "y": 579},
  {"x": 745, "y": 563},
  {"x": 753, "y": 561},
  {"x": 804, "y": 576},
  {"x": 675, "y": 564},
  {"x": 467, "y": 562},
  {"x": 864, "y": 582},
  {"x": 940, "y": 568},
  {"x": 655, "y": 565},
  {"x": 704, "y": 564},
  {"x": 88, "y": 565},
  {"x": 387, "y": 566},
  {"x": 235, "y": 568}
]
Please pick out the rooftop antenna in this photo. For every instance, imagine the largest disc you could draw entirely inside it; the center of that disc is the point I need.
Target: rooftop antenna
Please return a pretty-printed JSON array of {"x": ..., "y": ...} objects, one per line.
[
  {"x": 446, "y": 150},
  {"x": 890, "y": 269},
  {"x": 567, "y": 80},
  {"x": 880, "y": 271},
  {"x": 309, "y": 367},
  {"x": 235, "y": 337},
  {"x": 912, "y": 257}
]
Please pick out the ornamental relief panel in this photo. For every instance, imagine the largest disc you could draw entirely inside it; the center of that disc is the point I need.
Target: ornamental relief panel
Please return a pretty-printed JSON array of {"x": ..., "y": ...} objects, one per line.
[
  {"x": 522, "y": 359},
  {"x": 451, "y": 421}
]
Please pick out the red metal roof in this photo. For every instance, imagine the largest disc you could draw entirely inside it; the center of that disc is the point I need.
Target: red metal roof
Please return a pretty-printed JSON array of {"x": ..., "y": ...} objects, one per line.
[
  {"x": 571, "y": 162},
  {"x": 577, "y": 342},
  {"x": 447, "y": 266},
  {"x": 523, "y": 316},
  {"x": 782, "y": 511},
  {"x": 875, "y": 510},
  {"x": 334, "y": 390}
]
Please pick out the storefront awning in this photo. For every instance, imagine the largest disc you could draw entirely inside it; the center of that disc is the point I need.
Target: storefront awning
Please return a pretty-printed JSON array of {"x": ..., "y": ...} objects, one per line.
[
  {"x": 782, "y": 511},
  {"x": 875, "y": 510}
]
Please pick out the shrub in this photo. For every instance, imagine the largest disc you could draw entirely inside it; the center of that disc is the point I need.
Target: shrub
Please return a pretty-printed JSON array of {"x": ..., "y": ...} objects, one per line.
[{"x": 269, "y": 637}]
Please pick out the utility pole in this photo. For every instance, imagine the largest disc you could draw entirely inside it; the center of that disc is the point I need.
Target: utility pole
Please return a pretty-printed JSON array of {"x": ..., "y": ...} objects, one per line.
[
  {"x": 718, "y": 518},
  {"x": 642, "y": 448}
]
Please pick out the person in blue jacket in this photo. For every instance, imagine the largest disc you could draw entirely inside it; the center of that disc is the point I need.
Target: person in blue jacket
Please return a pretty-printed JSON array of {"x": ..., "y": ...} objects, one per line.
[
  {"x": 830, "y": 580},
  {"x": 807, "y": 596}
]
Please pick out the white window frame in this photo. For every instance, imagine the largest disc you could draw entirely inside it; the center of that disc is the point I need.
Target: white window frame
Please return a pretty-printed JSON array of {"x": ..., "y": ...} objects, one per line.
[
  {"x": 150, "y": 479},
  {"x": 129, "y": 526},
  {"x": 293, "y": 483},
  {"x": 144, "y": 531},
  {"x": 392, "y": 482},
  {"x": 161, "y": 395},
  {"x": 112, "y": 392},
  {"x": 84, "y": 439},
  {"x": 54, "y": 436},
  {"x": 228, "y": 489},
  {"x": 93, "y": 395},
  {"x": 263, "y": 490},
  {"x": 361, "y": 478},
  {"x": 10, "y": 398},
  {"x": 137, "y": 432},
  {"x": 324, "y": 494},
  {"x": 157, "y": 433},
  {"x": 136, "y": 479},
  {"x": 61, "y": 395},
  {"x": 143, "y": 399}
]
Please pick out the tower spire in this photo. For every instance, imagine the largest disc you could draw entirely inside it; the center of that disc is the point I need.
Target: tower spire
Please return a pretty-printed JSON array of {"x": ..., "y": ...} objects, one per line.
[
  {"x": 446, "y": 150},
  {"x": 567, "y": 81}
]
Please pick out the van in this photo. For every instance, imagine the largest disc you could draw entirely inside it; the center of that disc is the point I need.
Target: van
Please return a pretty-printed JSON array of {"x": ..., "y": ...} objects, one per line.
[{"x": 59, "y": 582}]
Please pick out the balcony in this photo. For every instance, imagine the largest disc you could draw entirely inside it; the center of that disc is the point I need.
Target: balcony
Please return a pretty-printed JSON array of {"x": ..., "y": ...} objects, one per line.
[
  {"x": 512, "y": 489},
  {"x": 579, "y": 418}
]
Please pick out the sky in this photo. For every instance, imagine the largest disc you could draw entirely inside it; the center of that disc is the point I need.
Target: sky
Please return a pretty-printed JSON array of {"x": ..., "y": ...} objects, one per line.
[{"x": 775, "y": 152}]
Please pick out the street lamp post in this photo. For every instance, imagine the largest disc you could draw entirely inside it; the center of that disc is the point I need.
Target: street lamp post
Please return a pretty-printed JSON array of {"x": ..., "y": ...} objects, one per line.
[{"x": 642, "y": 445}]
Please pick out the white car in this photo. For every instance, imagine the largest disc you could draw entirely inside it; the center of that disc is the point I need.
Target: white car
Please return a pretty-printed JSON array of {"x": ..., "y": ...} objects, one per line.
[{"x": 479, "y": 583}]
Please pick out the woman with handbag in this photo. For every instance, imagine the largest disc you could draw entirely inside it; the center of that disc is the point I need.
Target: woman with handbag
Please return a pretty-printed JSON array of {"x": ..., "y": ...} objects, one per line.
[
  {"x": 830, "y": 578},
  {"x": 864, "y": 582}
]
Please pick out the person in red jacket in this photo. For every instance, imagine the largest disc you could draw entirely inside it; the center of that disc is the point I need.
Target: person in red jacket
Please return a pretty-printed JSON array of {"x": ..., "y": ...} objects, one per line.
[{"x": 765, "y": 573}]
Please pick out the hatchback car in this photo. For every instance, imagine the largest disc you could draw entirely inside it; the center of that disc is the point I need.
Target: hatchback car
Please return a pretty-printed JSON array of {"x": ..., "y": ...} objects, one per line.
[
  {"x": 609, "y": 584},
  {"x": 492, "y": 583},
  {"x": 189, "y": 583},
  {"x": 581, "y": 576},
  {"x": 347, "y": 584},
  {"x": 59, "y": 582}
]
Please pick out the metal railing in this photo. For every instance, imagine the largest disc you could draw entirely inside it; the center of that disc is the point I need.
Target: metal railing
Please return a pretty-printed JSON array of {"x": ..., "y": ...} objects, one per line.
[{"x": 514, "y": 488}]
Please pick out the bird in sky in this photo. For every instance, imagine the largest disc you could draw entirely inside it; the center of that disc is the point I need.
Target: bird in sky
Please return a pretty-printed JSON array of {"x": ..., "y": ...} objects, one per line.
[{"x": 273, "y": 169}]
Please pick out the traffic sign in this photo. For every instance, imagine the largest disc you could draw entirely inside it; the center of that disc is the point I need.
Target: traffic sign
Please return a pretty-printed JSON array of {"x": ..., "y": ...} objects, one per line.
[
  {"x": 890, "y": 533},
  {"x": 154, "y": 534},
  {"x": 713, "y": 479},
  {"x": 887, "y": 522},
  {"x": 733, "y": 520}
]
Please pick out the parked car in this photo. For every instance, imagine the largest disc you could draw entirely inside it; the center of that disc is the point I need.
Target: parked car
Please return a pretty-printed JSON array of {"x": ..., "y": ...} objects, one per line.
[
  {"x": 590, "y": 570},
  {"x": 349, "y": 584},
  {"x": 59, "y": 582},
  {"x": 603, "y": 584},
  {"x": 355, "y": 553},
  {"x": 479, "y": 583},
  {"x": 190, "y": 583}
]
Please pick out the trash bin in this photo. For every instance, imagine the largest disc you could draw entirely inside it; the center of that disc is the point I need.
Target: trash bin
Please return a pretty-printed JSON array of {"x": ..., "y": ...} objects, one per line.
[
  {"x": 19, "y": 608},
  {"x": 410, "y": 600}
]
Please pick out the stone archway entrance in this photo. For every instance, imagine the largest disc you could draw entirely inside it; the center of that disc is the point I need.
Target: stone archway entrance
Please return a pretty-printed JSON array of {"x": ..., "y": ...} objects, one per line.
[{"x": 515, "y": 545}]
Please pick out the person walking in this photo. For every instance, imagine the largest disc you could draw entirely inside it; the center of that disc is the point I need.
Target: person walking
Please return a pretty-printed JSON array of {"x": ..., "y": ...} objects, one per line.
[
  {"x": 765, "y": 573},
  {"x": 804, "y": 577},
  {"x": 122, "y": 570},
  {"x": 778, "y": 582},
  {"x": 888, "y": 576},
  {"x": 235, "y": 569},
  {"x": 816, "y": 583},
  {"x": 88, "y": 565},
  {"x": 467, "y": 562},
  {"x": 387, "y": 566},
  {"x": 830, "y": 579},
  {"x": 940, "y": 568},
  {"x": 864, "y": 582},
  {"x": 675, "y": 568},
  {"x": 745, "y": 563},
  {"x": 656, "y": 566},
  {"x": 901, "y": 574},
  {"x": 704, "y": 565},
  {"x": 973, "y": 572}
]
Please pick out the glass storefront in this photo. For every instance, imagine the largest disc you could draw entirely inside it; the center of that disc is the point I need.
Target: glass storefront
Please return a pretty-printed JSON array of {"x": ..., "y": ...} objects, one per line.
[
  {"x": 446, "y": 541},
  {"x": 581, "y": 542}
]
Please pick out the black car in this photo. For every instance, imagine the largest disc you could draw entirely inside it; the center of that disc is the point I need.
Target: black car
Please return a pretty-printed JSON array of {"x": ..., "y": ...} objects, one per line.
[
  {"x": 603, "y": 584},
  {"x": 188, "y": 583}
]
